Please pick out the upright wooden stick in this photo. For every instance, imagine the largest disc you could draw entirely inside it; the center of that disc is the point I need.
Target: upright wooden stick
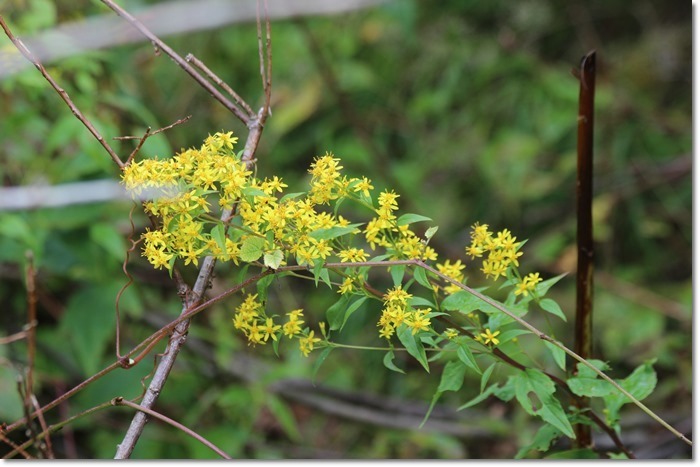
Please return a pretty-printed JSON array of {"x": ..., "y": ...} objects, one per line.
[{"x": 584, "y": 229}]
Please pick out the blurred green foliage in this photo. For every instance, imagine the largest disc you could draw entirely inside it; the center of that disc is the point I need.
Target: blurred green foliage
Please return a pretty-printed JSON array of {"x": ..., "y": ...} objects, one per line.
[{"x": 466, "y": 108}]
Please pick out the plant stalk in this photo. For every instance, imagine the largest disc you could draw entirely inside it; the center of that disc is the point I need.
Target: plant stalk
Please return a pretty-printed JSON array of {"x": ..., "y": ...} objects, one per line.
[{"x": 583, "y": 331}]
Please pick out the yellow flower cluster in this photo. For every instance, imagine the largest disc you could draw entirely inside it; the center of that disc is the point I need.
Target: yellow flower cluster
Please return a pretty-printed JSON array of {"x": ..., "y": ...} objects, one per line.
[
  {"x": 502, "y": 250},
  {"x": 397, "y": 311},
  {"x": 528, "y": 284},
  {"x": 399, "y": 240},
  {"x": 250, "y": 319},
  {"x": 453, "y": 271},
  {"x": 179, "y": 188}
]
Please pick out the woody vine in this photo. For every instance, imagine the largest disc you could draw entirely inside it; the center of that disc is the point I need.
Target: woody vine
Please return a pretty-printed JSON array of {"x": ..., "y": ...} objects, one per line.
[{"x": 208, "y": 205}]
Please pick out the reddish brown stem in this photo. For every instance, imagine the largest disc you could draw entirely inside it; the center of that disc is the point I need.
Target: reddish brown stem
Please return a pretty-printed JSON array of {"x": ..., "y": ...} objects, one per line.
[{"x": 583, "y": 332}]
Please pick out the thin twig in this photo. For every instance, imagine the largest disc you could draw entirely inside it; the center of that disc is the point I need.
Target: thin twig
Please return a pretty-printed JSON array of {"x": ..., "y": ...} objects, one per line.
[
  {"x": 61, "y": 92},
  {"x": 178, "y": 59},
  {"x": 583, "y": 330},
  {"x": 146, "y": 135},
  {"x": 121, "y": 401},
  {"x": 219, "y": 82}
]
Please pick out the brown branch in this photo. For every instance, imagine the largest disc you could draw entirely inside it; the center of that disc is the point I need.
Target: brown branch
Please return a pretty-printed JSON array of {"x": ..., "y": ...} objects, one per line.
[
  {"x": 61, "y": 92},
  {"x": 121, "y": 401},
  {"x": 146, "y": 135},
  {"x": 219, "y": 82},
  {"x": 178, "y": 59},
  {"x": 583, "y": 331}
]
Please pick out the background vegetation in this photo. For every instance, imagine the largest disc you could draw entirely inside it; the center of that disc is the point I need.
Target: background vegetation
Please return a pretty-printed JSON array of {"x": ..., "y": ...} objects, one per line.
[{"x": 466, "y": 108}]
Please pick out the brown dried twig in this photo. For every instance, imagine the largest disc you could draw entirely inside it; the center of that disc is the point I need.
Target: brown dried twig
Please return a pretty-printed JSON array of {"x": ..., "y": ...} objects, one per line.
[
  {"x": 146, "y": 135},
  {"x": 121, "y": 401},
  {"x": 160, "y": 45}
]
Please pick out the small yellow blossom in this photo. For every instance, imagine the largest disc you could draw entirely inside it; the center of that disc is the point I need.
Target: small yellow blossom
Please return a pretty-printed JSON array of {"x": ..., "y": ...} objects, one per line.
[{"x": 489, "y": 338}]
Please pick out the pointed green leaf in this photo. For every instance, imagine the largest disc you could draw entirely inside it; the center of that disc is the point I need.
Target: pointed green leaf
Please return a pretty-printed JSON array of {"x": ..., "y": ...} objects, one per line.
[
  {"x": 558, "y": 354},
  {"x": 464, "y": 353},
  {"x": 319, "y": 361},
  {"x": 543, "y": 404},
  {"x": 289, "y": 196},
  {"x": 430, "y": 233},
  {"x": 411, "y": 218},
  {"x": 543, "y": 287},
  {"x": 416, "y": 302},
  {"x": 336, "y": 313},
  {"x": 550, "y": 306},
  {"x": 333, "y": 232},
  {"x": 352, "y": 309},
  {"x": 436, "y": 396},
  {"x": 639, "y": 384},
  {"x": 218, "y": 233},
  {"x": 481, "y": 397},
  {"x": 420, "y": 277},
  {"x": 389, "y": 362},
  {"x": 397, "y": 274},
  {"x": 541, "y": 442},
  {"x": 462, "y": 301},
  {"x": 486, "y": 376},
  {"x": 452, "y": 376},
  {"x": 413, "y": 345}
]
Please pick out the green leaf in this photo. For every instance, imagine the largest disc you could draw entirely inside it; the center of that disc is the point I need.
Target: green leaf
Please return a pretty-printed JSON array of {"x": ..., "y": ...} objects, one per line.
[
  {"x": 262, "y": 285},
  {"x": 289, "y": 196},
  {"x": 416, "y": 302},
  {"x": 487, "y": 375},
  {"x": 436, "y": 396},
  {"x": 413, "y": 345},
  {"x": 574, "y": 454},
  {"x": 273, "y": 259},
  {"x": 510, "y": 334},
  {"x": 284, "y": 415},
  {"x": 543, "y": 287},
  {"x": 464, "y": 353},
  {"x": 218, "y": 233},
  {"x": 543, "y": 404},
  {"x": 506, "y": 392},
  {"x": 550, "y": 306},
  {"x": 352, "y": 308},
  {"x": 429, "y": 233},
  {"x": 411, "y": 218},
  {"x": 462, "y": 301},
  {"x": 541, "y": 442},
  {"x": 397, "y": 274},
  {"x": 108, "y": 238},
  {"x": 590, "y": 387},
  {"x": 336, "y": 313},
  {"x": 452, "y": 376},
  {"x": 252, "y": 248},
  {"x": 253, "y": 192},
  {"x": 583, "y": 370},
  {"x": 481, "y": 397},
  {"x": 389, "y": 362},
  {"x": 639, "y": 384},
  {"x": 319, "y": 361},
  {"x": 558, "y": 354},
  {"x": 88, "y": 324},
  {"x": 420, "y": 277},
  {"x": 333, "y": 232}
]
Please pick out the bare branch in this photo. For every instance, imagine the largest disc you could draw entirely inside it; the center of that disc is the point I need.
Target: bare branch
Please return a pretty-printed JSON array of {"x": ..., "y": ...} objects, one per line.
[
  {"x": 177, "y": 59},
  {"x": 179, "y": 426},
  {"x": 212, "y": 76}
]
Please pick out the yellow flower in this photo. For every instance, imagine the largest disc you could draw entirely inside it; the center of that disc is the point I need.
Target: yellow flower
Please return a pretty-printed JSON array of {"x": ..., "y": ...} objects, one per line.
[
  {"x": 451, "y": 333},
  {"x": 270, "y": 329},
  {"x": 306, "y": 344},
  {"x": 489, "y": 338}
]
